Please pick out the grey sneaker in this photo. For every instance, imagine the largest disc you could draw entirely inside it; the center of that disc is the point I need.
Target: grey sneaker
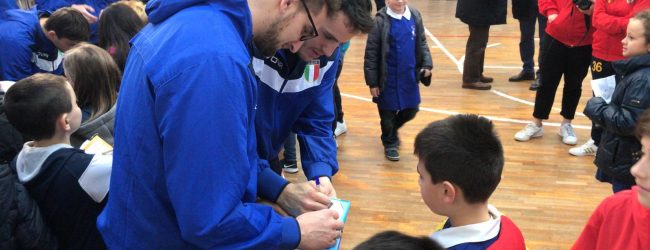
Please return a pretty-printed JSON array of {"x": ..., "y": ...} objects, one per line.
[
  {"x": 392, "y": 154},
  {"x": 567, "y": 134},
  {"x": 530, "y": 131}
]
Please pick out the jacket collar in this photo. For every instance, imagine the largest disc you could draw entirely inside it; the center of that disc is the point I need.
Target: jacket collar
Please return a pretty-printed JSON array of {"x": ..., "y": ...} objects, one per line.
[
  {"x": 393, "y": 14},
  {"x": 627, "y": 66}
]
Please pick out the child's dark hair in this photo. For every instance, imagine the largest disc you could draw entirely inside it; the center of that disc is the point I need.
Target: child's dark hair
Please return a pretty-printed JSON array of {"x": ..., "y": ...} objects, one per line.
[
  {"x": 643, "y": 125},
  {"x": 398, "y": 241},
  {"x": 117, "y": 25},
  {"x": 34, "y": 103},
  {"x": 644, "y": 17},
  {"x": 68, "y": 23},
  {"x": 464, "y": 150}
]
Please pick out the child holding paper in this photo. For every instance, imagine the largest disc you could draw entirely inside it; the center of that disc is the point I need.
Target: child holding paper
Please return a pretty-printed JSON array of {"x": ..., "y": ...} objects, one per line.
[
  {"x": 69, "y": 186},
  {"x": 618, "y": 146}
]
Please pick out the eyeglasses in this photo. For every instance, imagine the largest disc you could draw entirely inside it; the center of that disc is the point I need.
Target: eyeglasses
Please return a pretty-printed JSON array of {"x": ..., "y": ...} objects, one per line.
[{"x": 313, "y": 26}]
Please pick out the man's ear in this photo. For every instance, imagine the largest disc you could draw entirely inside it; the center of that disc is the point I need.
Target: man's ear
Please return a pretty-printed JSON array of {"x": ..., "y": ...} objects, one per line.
[
  {"x": 449, "y": 195},
  {"x": 285, "y": 5},
  {"x": 51, "y": 34}
]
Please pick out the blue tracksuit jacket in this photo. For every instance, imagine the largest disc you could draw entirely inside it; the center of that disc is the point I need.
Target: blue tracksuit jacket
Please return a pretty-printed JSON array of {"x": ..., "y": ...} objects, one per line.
[
  {"x": 25, "y": 48},
  {"x": 185, "y": 165},
  {"x": 297, "y": 96}
]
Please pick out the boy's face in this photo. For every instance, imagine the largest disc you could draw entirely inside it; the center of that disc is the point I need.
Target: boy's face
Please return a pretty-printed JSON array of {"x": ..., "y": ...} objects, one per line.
[
  {"x": 641, "y": 173},
  {"x": 399, "y": 6},
  {"x": 430, "y": 192},
  {"x": 74, "y": 117}
]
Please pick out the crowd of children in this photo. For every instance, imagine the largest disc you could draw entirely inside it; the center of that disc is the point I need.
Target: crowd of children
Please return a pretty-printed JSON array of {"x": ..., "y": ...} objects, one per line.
[{"x": 52, "y": 193}]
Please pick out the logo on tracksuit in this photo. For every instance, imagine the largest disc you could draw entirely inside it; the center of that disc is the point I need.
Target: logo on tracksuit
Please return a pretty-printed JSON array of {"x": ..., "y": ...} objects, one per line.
[{"x": 312, "y": 71}]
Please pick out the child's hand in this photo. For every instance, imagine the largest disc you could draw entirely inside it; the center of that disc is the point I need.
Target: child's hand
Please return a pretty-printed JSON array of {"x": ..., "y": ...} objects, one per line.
[
  {"x": 374, "y": 92},
  {"x": 425, "y": 72}
]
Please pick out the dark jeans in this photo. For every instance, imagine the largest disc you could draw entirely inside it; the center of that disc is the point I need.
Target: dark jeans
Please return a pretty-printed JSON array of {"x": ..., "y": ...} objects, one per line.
[
  {"x": 599, "y": 69},
  {"x": 391, "y": 121},
  {"x": 338, "y": 107},
  {"x": 527, "y": 44},
  {"x": 475, "y": 53},
  {"x": 290, "y": 148},
  {"x": 561, "y": 60},
  {"x": 543, "y": 44}
]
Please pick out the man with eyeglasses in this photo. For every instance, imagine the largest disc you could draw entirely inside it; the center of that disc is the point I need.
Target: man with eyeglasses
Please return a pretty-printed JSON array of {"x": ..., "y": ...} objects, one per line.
[
  {"x": 186, "y": 171},
  {"x": 295, "y": 95}
]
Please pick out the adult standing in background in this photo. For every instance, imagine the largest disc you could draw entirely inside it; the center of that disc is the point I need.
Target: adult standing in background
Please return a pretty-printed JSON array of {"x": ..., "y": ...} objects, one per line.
[
  {"x": 479, "y": 15},
  {"x": 525, "y": 11},
  {"x": 186, "y": 169}
]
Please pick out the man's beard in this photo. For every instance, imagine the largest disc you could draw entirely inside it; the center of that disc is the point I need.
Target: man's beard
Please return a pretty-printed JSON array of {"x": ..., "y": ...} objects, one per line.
[{"x": 268, "y": 42}]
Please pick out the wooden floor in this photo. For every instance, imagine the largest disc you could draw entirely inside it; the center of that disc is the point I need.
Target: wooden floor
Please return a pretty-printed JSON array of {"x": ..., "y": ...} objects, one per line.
[{"x": 548, "y": 193}]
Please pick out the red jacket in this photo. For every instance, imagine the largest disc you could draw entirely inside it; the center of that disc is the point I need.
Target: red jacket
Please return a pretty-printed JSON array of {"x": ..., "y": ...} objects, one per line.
[
  {"x": 619, "y": 222},
  {"x": 610, "y": 19},
  {"x": 569, "y": 27}
]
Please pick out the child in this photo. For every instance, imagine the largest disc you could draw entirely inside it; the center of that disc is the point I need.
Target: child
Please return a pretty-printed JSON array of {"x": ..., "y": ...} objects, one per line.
[
  {"x": 397, "y": 241},
  {"x": 68, "y": 185},
  {"x": 567, "y": 55},
  {"x": 622, "y": 221},
  {"x": 397, "y": 56},
  {"x": 630, "y": 98},
  {"x": 460, "y": 165},
  {"x": 95, "y": 79},
  {"x": 118, "y": 23}
]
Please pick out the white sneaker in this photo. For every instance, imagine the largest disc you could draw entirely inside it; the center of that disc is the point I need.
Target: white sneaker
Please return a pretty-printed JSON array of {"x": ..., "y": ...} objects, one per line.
[
  {"x": 567, "y": 134},
  {"x": 530, "y": 131},
  {"x": 585, "y": 149},
  {"x": 341, "y": 128}
]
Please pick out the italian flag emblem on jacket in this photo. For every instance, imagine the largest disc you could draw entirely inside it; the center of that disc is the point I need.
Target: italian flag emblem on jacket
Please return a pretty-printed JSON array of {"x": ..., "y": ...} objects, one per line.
[{"x": 312, "y": 70}]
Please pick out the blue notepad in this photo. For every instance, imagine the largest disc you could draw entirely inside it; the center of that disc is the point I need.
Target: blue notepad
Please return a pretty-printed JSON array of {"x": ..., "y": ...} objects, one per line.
[{"x": 342, "y": 207}]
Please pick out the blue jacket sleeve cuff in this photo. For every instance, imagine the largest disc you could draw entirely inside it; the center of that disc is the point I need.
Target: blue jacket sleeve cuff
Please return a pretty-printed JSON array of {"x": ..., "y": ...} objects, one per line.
[
  {"x": 290, "y": 233},
  {"x": 270, "y": 184},
  {"x": 318, "y": 169}
]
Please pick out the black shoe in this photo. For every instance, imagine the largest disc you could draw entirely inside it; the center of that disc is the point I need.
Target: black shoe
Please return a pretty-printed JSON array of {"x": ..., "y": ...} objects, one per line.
[
  {"x": 477, "y": 85},
  {"x": 392, "y": 154},
  {"x": 290, "y": 167},
  {"x": 535, "y": 85},
  {"x": 522, "y": 76},
  {"x": 486, "y": 79}
]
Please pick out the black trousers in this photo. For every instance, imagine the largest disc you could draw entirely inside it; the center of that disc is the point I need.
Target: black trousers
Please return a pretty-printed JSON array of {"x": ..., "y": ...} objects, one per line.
[
  {"x": 543, "y": 41},
  {"x": 338, "y": 107},
  {"x": 475, "y": 53},
  {"x": 527, "y": 44},
  {"x": 561, "y": 60},
  {"x": 599, "y": 69},
  {"x": 391, "y": 121}
]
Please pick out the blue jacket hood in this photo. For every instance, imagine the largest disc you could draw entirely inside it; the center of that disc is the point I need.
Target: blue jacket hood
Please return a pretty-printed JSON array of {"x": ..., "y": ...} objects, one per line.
[
  {"x": 159, "y": 10},
  {"x": 8, "y": 4}
]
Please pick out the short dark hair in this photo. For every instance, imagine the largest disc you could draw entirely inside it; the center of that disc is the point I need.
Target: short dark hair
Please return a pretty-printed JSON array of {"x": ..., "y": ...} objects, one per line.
[
  {"x": 359, "y": 14},
  {"x": 398, "y": 241},
  {"x": 34, "y": 103},
  {"x": 317, "y": 5},
  {"x": 68, "y": 23},
  {"x": 464, "y": 150},
  {"x": 643, "y": 125}
]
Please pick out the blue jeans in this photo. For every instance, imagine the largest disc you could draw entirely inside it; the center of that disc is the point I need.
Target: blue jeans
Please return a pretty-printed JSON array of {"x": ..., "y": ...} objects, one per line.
[{"x": 290, "y": 149}]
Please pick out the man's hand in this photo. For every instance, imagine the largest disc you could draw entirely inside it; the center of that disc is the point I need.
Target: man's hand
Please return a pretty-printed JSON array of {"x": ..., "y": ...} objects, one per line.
[
  {"x": 551, "y": 18},
  {"x": 86, "y": 12},
  {"x": 374, "y": 92},
  {"x": 426, "y": 72},
  {"x": 304, "y": 197},
  {"x": 326, "y": 186},
  {"x": 319, "y": 229}
]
